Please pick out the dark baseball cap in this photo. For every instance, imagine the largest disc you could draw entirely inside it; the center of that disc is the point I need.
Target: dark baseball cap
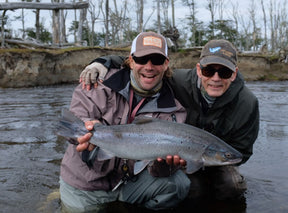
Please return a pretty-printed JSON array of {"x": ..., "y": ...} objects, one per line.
[
  {"x": 219, "y": 52},
  {"x": 147, "y": 43}
]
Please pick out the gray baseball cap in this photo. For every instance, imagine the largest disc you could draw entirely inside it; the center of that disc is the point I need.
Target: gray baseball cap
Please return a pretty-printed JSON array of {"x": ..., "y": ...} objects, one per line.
[{"x": 219, "y": 52}]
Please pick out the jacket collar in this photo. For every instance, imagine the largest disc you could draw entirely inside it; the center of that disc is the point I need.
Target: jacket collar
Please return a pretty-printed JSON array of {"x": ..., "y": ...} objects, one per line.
[{"x": 120, "y": 82}]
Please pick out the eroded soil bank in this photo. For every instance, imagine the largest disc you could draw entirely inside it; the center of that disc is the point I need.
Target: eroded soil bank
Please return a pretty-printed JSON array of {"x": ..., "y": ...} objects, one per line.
[{"x": 29, "y": 68}]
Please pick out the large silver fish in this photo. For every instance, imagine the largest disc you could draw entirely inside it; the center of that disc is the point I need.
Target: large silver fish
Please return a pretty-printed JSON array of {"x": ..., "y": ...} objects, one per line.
[{"x": 147, "y": 139}]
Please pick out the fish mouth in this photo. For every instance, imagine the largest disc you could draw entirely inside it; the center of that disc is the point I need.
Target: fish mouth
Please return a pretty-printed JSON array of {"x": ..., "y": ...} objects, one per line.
[
  {"x": 214, "y": 161},
  {"x": 233, "y": 161}
]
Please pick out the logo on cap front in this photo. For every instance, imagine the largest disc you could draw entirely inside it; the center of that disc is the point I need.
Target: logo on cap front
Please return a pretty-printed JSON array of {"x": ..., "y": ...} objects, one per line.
[
  {"x": 152, "y": 41},
  {"x": 215, "y": 49},
  {"x": 221, "y": 51}
]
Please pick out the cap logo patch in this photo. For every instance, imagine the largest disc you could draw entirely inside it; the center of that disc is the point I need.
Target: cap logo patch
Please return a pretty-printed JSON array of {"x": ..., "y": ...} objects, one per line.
[
  {"x": 152, "y": 41},
  {"x": 215, "y": 49},
  {"x": 224, "y": 52}
]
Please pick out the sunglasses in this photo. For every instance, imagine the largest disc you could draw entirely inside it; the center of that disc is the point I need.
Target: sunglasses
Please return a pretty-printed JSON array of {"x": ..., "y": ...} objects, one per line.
[
  {"x": 223, "y": 72},
  {"x": 155, "y": 59}
]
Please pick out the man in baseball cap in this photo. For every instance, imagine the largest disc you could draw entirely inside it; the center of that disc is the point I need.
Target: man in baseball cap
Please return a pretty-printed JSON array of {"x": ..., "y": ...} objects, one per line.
[
  {"x": 219, "y": 52},
  {"x": 149, "y": 43},
  {"x": 217, "y": 68},
  {"x": 139, "y": 88}
]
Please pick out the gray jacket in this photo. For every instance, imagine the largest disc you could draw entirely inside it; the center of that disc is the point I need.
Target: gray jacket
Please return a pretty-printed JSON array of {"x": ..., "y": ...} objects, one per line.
[{"x": 109, "y": 104}]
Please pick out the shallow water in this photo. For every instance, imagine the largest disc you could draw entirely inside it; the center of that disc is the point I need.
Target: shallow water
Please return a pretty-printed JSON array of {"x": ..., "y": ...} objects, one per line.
[{"x": 30, "y": 153}]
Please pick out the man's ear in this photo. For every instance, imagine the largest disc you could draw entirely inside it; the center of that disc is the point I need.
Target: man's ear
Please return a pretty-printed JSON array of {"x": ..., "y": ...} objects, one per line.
[
  {"x": 198, "y": 69},
  {"x": 234, "y": 75},
  {"x": 131, "y": 62}
]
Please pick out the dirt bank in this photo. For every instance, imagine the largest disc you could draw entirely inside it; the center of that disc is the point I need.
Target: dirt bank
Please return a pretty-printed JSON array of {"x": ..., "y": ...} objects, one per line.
[{"x": 28, "y": 68}]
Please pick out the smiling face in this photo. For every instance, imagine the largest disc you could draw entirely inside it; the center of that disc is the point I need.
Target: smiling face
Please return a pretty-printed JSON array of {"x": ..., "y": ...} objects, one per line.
[
  {"x": 148, "y": 75},
  {"x": 214, "y": 85}
]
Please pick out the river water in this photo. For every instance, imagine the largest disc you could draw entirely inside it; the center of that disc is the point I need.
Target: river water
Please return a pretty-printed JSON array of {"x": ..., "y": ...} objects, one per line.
[{"x": 30, "y": 153}]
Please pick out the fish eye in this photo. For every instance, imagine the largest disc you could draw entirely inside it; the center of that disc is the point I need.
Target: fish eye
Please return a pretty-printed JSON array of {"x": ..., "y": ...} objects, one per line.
[{"x": 228, "y": 155}]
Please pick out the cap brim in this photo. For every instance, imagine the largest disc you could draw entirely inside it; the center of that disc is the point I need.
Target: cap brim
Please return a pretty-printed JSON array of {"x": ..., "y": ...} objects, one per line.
[
  {"x": 207, "y": 60},
  {"x": 142, "y": 53}
]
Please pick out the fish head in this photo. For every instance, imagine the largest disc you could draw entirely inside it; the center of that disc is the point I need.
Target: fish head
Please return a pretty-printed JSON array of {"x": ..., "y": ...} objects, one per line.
[{"x": 219, "y": 154}]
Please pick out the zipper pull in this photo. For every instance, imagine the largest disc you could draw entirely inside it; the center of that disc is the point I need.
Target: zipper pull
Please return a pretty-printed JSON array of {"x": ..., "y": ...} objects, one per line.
[{"x": 118, "y": 184}]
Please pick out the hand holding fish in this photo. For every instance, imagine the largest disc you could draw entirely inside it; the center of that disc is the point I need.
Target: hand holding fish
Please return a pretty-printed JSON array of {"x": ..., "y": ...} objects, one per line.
[
  {"x": 173, "y": 159},
  {"x": 84, "y": 140}
]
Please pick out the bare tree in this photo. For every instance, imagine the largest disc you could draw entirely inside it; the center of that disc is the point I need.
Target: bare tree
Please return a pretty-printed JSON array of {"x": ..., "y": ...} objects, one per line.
[
  {"x": 192, "y": 19},
  {"x": 56, "y": 25},
  {"x": 165, "y": 7},
  {"x": 63, "y": 15},
  {"x": 235, "y": 15},
  {"x": 3, "y": 29},
  {"x": 37, "y": 22},
  {"x": 253, "y": 20},
  {"x": 272, "y": 18},
  {"x": 264, "y": 22},
  {"x": 221, "y": 4},
  {"x": 118, "y": 21},
  {"x": 158, "y": 17},
  {"x": 173, "y": 13},
  {"x": 23, "y": 22},
  {"x": 221, "y": 8},
  {"x": 153, "y": 10},
  {"x": 212, "y": 7},
  {"x": 283, "y": 29},
  {"x": 246, "y": 32},
  {"x": 94, "y": 11},
  {"x": 82, "y": 19},
  {"x": 139, "y": 15},
  {"x": 106, "y": 22}
]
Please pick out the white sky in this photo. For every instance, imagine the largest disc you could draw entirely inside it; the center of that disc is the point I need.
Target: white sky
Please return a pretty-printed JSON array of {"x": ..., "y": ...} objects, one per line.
[{"x": 180, "y": 13}]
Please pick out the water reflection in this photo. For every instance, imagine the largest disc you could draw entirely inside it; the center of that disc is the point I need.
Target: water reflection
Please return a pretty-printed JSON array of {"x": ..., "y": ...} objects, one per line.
[{"x": 30, "y": 153}]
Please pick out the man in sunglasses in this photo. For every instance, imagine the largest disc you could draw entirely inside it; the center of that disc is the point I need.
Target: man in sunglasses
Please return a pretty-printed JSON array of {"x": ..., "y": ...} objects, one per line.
[
  {"x": 217, "y": 100},
  {"x": 138, "y": 89}
]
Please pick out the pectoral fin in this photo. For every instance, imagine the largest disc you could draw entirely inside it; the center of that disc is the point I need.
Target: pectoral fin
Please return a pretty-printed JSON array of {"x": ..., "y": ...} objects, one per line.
[
  {"x": 193, "y": 166},
  {"x": 139, "y": 166},
  {"x": 104, "y": 155}
]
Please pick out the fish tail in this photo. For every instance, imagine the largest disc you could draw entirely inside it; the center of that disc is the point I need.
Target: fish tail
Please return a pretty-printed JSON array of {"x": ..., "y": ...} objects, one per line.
[{"x": 70, "y": 127}]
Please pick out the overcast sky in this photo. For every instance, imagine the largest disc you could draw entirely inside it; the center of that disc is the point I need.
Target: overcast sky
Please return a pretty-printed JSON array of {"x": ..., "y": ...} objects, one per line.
[{"x": 180, "y": 13}]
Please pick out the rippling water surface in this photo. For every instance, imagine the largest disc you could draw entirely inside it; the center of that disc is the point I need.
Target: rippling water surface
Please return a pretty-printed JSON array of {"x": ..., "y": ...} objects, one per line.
[{"x": 30, "y": 153}]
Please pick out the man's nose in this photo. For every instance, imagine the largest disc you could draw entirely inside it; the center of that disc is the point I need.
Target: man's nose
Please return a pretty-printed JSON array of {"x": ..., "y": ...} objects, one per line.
[
  {"x": 149, "y": 65},
  {"x": 216, "y": 76}
]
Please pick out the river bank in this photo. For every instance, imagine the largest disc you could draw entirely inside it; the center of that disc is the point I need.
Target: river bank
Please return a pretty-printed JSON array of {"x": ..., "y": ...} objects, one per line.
[{"x": 29, "y": 68}]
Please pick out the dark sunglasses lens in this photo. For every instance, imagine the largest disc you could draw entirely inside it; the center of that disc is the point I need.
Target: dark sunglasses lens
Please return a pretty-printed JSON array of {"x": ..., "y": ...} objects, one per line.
[
  {"x": 155, "y": 60},
  {"x": 208, "y": 71},
  {"x": 141, "y": 60},
  {"x": 158, "y": 60},
  {"x": 224, "y": 72}
]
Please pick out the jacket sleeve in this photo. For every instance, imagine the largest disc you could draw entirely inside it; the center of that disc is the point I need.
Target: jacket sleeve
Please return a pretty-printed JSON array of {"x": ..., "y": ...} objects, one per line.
[
  {"x": 110, "y": 61},
  {"x": 246, "y": 129}
]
